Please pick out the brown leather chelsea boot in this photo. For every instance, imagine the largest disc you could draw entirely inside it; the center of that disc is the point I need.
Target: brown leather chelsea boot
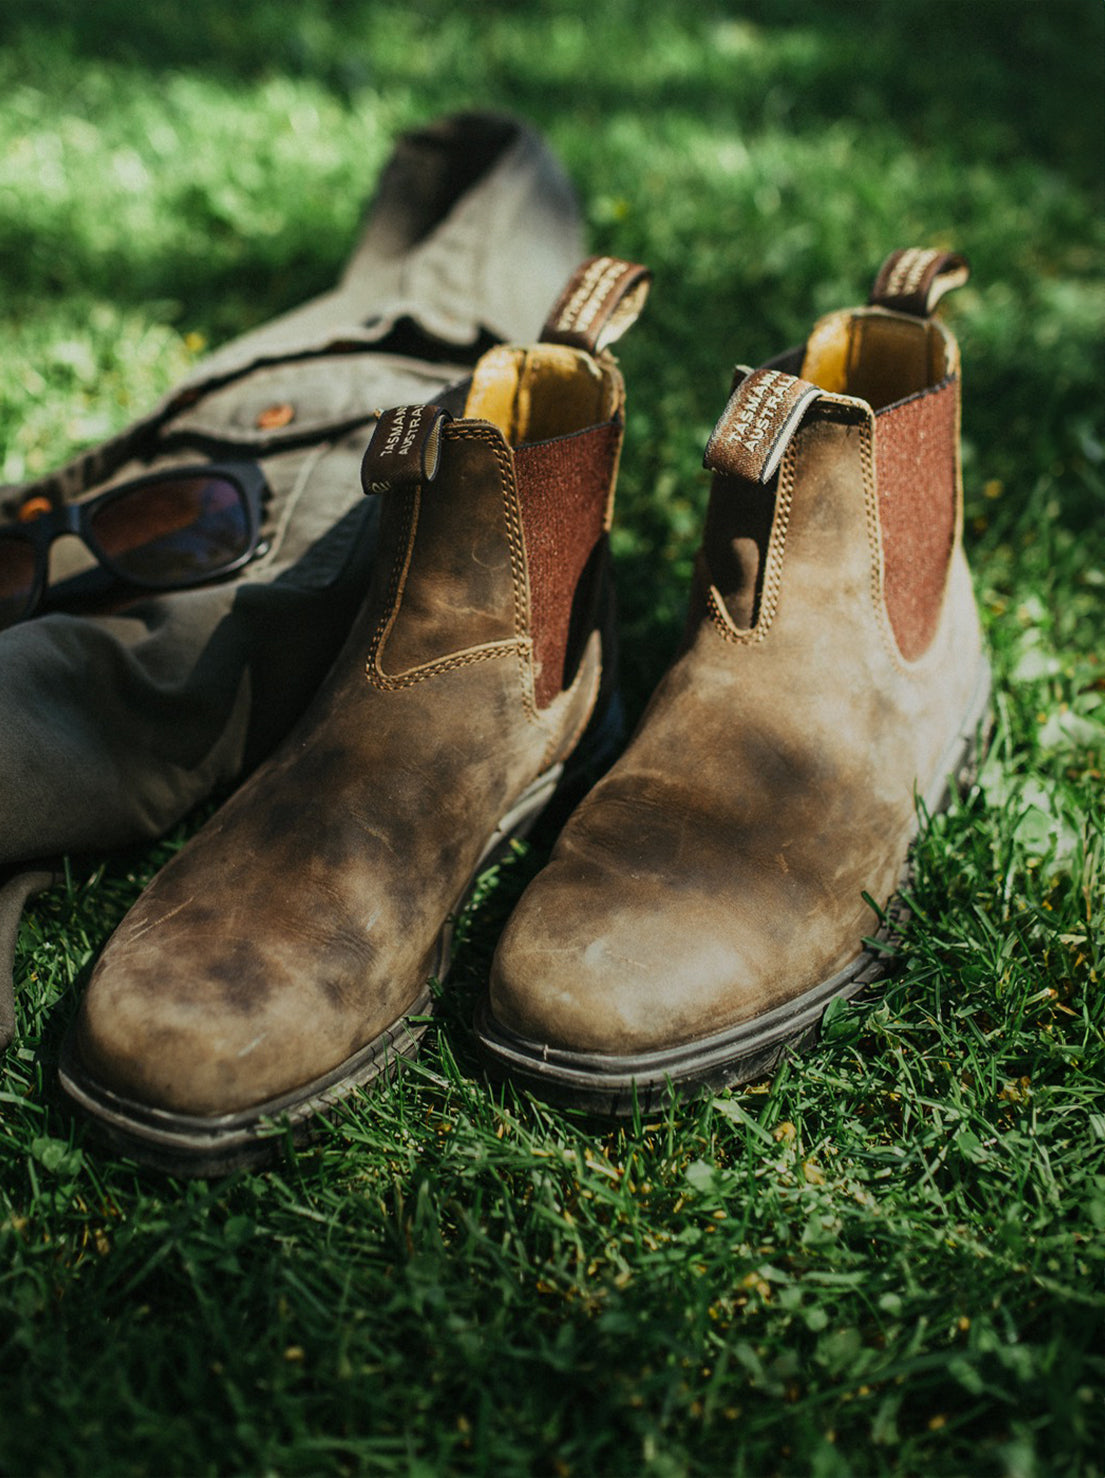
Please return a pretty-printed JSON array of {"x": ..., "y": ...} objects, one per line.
[
  {"x": 709, "y": 898},
  {"x": 279, "y": 959}
]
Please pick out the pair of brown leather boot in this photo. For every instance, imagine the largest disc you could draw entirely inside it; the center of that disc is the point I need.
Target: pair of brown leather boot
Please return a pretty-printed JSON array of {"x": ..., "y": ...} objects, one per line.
[{"x": 711, "y": 894}]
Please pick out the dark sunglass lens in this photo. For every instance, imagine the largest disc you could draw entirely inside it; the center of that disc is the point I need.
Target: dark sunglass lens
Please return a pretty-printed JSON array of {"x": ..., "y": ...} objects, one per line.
[
  {"x": 174, "y": 532},
  {"x": 17, "y": 579}
]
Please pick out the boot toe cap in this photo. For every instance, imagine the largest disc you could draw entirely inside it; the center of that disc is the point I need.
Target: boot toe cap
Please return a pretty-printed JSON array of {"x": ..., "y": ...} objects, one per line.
[
  {"x": 581, "y": 971},
  {"x": 189, "y": 1022}
]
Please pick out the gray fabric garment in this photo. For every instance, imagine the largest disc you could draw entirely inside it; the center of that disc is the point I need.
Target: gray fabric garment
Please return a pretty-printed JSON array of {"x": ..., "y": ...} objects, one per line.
[{"x": 114, "y": 724}]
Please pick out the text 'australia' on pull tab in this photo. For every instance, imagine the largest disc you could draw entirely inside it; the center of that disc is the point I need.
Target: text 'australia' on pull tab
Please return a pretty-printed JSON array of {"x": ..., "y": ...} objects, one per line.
[
  {"x": 603, "y": 298},
  {"x": 405, "y": 448},
  {"x": 757, "y": 425}
]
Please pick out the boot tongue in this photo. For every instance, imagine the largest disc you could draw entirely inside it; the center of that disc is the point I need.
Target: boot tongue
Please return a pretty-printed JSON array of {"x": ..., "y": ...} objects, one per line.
[{"x": 756, "y": 427}]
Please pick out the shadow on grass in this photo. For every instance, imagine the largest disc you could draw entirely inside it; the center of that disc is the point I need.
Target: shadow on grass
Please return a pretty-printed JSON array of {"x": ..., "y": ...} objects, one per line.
[{"x": 1032, "y": 72}]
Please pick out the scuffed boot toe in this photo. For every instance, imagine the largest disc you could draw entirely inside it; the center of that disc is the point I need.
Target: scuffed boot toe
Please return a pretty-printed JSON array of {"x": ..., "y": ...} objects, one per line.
[
  {"x": 188, "y": 1044},
  {"x": 607, "y": 1001}
]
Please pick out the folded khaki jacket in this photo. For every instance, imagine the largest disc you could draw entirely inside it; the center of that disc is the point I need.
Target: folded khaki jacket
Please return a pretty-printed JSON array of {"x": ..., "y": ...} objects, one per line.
[{"x": 115, "y": 723}]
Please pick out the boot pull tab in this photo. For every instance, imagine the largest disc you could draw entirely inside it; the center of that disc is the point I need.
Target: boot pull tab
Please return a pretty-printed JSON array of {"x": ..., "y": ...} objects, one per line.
[
  {"x": 603, "y": 298},
  {"x": 405, "y": 448},
  {"x": 757, "y": 425},
  {"x": 914, "y": 280}
]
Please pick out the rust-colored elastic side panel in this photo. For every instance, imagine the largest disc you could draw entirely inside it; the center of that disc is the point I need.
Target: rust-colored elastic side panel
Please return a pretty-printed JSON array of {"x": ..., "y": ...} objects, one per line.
[
  {"x": 563, "y": 487},
  {"x": 915, "y": 460}
]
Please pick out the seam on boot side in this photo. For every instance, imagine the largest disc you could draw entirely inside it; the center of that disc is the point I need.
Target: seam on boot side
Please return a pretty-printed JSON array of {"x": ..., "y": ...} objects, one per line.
[
  {"x": 521, "y": 646},
  {"x": 448, "y": 664},
  {"x": 519, "y": 571},
  {"x": 396, "y": 581},
  {"x": 773, "y": 573},
  {"x": 389, "y": 682}
]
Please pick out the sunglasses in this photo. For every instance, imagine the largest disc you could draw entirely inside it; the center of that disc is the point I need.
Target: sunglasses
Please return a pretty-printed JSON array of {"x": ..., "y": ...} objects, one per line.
[{"x": 167, "y": 531}]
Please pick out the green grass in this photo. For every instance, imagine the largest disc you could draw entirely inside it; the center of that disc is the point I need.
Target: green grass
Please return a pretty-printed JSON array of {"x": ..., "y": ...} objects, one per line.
[{"x": 888, "y": 1259}]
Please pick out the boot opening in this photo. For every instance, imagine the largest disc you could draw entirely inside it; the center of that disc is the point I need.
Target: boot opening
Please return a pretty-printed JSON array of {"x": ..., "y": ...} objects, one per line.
[
  {"x": 537, "y": 394},
  {"x": 877, "y": 356},
  {"x": 903, "y": 366}
]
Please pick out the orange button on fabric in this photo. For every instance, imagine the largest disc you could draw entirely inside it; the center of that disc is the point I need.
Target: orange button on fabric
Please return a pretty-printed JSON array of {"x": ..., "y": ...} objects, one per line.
[
  {"x": 34, "y": 508},
  {"x": 275, "y": 416}
]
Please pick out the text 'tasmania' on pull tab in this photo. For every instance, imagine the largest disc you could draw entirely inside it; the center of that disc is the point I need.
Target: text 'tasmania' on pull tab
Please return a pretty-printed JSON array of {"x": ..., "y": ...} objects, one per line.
[
  {"x": 756, "y": 427},
  {"x": 405, "y": 448}
]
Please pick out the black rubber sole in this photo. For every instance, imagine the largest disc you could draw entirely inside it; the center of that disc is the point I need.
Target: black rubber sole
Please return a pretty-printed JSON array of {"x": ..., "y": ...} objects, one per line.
[
  {"x": 609, "y": 1086},
  {"x": 194, "y": 1145}
]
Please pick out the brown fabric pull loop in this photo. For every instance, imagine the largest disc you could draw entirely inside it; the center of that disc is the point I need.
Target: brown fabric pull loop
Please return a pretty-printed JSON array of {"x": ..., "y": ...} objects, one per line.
[
  {"x": 603, "y": 298},
  {"x": 914, "y": 280},
  {"x": 756, "y": 426},
  {"x": 405, "y": 448}
]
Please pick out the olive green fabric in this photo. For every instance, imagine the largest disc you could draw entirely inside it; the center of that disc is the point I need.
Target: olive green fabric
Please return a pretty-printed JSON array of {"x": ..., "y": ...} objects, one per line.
[{"x": 114, "y": 724}]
